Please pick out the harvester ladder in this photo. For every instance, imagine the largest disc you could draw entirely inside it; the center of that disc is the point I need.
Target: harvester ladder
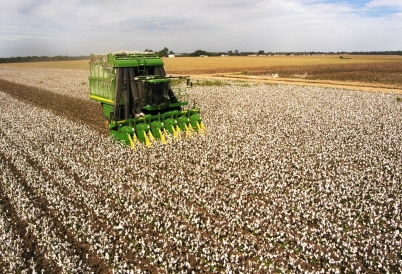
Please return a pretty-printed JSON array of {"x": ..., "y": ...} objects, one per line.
[{"x": 141, "y": 67}]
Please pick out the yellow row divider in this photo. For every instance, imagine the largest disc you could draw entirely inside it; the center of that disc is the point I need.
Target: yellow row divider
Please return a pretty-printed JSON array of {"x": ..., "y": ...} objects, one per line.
[
  {"x": 147, "y": 142},
  {"x": 132, "y": 145},
  {"x": 151, "y": 137},
  {"x": 203, "y": 126},
  {"x": 188, "y": 130},
  {"x": 162, "y": 137},
  {"x": 175, "y": 134}
]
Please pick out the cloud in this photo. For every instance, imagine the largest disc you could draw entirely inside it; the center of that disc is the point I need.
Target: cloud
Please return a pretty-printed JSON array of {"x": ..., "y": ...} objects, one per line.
[
  {"x": 81, "y": 27},
  {"x": 29, "y": 7},
  {"x": 385, "y": 3}
]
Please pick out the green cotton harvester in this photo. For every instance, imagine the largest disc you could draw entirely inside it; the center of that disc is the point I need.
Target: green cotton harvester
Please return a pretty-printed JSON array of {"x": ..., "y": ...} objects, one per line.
[{"x": 137, "y": 99}]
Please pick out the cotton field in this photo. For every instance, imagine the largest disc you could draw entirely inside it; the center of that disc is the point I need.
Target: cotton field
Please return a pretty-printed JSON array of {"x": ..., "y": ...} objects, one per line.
[{"x": 287, "y": 179}]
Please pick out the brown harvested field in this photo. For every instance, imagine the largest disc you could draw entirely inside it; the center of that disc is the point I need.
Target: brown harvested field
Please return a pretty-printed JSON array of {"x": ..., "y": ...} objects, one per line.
[
  {"x": 378, "y": 72},
  {"x": 374, "y": 73},
  {"x": 198, "y": 65}
]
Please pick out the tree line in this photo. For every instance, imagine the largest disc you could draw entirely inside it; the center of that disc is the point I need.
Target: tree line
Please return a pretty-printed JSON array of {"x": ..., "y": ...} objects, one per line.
[
  {"x": 166, "y": 52},
  {"x": 262, "y": 52}
]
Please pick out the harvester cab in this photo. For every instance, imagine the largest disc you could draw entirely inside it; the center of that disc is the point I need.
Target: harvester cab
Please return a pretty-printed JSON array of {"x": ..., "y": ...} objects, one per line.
[{"x": 137, "y": 99}]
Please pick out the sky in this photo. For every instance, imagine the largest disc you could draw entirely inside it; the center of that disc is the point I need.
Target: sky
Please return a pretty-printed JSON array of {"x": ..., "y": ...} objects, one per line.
[{"x": 82, "y": 27}]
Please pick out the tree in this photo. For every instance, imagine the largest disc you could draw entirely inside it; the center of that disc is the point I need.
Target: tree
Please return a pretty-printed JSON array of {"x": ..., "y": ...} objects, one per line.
[
  {"x": 163, "y": 52},
  {"x": 199, "y": 53}
]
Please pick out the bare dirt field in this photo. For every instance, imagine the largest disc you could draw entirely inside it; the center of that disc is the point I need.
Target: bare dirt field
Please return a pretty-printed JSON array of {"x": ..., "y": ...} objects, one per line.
[{"x": 289, "y": 178}]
